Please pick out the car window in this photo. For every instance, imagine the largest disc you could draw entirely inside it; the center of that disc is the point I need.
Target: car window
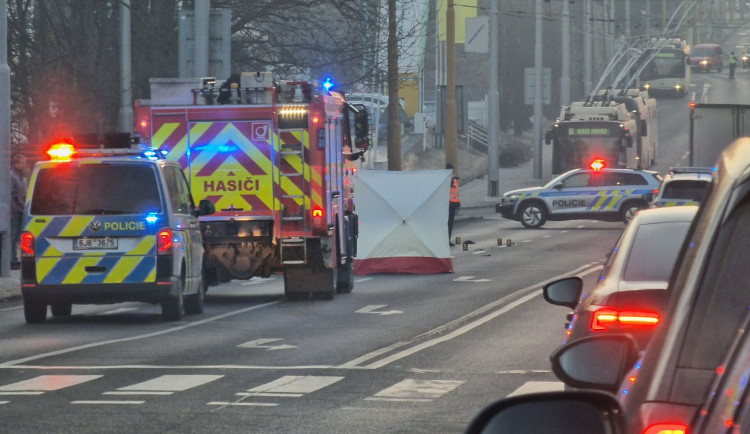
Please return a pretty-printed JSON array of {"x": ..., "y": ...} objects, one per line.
[
  {"x": 685, "y": 189},
  {"x": 81, "y": 189},
  {"x": 654, "y": 251},
  {"x": 577, "y": 180},
  {"x": 723, "y": 295},
  {"x": 177, "y": 196}
]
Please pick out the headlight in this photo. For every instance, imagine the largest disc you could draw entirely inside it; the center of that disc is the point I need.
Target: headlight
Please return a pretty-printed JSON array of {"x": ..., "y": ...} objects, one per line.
[
  {"x": 646, "y": 86},
  {"x": 678, "y": 86},
  {"x": 704, "y": 62},
  {"x": 511, "y": 198}
]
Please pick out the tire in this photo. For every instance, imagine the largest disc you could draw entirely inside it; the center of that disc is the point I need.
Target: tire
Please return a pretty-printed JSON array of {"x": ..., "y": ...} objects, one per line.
[
  {"x": 629, "y": 209},
  {"x": 172, "y": 307},
  {"x": 194, "y": 303},
  {"x": 34, "y": 311},
  {"x": 345, "y": 277},
  {"x": 61, "y": 309},
  {"x": 533, "y": 215}
]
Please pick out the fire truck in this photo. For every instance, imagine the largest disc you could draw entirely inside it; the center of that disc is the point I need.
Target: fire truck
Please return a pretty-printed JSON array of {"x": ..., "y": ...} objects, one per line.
[{"x": 277, "y": 159}]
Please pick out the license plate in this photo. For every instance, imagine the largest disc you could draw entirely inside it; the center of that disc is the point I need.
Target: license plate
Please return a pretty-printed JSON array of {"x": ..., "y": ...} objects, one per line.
[{"x": 95, "y": 243}]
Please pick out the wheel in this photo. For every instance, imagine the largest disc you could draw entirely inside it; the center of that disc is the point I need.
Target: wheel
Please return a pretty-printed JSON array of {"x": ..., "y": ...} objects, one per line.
[
  {"x": 172, "y": 306},
  {"x": 61, "y": 309},
  {"x": 533, "y": 215},
  {"x": 629, "y": 209},
  {"x": 194, "y": 302},
  {"x": 345, "y": 277},
  {"x": 34, "y": 311}
]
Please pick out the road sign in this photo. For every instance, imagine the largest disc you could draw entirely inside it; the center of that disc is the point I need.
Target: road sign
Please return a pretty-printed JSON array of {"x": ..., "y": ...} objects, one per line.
[{"x": 529, "y": 83}]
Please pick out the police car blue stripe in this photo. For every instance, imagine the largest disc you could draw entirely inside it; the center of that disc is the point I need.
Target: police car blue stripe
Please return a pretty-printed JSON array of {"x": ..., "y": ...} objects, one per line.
[
  {"x": 55, "y": 226},
  {"x": 60, "y": 271},
  {"x": 142, "y": 270}
]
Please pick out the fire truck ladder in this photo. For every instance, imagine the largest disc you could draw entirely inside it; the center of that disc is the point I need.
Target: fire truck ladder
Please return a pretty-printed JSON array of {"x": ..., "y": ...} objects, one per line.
[{"x": 291, "y": 246}]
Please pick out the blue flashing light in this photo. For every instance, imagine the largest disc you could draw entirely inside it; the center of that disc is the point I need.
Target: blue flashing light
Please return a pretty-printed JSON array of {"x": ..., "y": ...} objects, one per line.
[
  {"x": 152, "y": 218},
  {"x": 328, "y": 84},
  {"x": 151, "y": 155}
]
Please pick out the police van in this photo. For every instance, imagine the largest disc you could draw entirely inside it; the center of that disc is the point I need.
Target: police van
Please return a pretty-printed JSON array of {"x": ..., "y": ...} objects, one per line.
[
  {"x": 682, "y": 186},
  {"x": 108, "y": 226},
  {"x": 596, "y": 193}
]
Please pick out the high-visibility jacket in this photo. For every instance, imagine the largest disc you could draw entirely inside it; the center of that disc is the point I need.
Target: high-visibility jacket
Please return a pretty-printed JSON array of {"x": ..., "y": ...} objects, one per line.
[
  {"x": 732, "y": 59},
  {"x": 454, "y": 191}
]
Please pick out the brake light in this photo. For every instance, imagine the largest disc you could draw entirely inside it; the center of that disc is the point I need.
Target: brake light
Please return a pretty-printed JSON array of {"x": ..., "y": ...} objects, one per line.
[
  {"x": 666, "y": 428},
  {"x": 597, "y": 164},
  {"x": 27, "y": 244},
  {"x": 61, "y": 151},
  {"x": 317, "y": 212},
  {"x": 164, "y": 242},
  {"x": 607, "y": 318},
  {"x": 692, "y": 104}
]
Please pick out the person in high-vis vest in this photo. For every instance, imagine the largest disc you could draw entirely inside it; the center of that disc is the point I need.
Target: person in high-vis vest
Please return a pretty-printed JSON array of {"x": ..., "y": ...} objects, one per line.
[
  {"x": 732, "y": 64},
  {"x": 454, "y": 203}
]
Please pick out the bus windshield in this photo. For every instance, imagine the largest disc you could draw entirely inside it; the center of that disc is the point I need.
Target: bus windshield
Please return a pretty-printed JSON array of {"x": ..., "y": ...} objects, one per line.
[{"x": 665, "y": 64}]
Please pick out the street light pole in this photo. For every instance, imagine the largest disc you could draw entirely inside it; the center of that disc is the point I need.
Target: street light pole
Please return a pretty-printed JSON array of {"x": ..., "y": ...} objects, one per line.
[
  {"x": 451, "y": 123},
  {"x": 538, "y": 93},
  {"x": 4, "y": 142},
  {"x": 493, "y": 100}
]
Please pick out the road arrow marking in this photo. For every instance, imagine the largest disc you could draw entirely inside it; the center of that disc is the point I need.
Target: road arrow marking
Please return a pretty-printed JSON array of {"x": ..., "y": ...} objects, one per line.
[
  {"x": 373, "y": 308},
  {"x": 469, "y": 279},
  {"x": 261, "y": 343}
]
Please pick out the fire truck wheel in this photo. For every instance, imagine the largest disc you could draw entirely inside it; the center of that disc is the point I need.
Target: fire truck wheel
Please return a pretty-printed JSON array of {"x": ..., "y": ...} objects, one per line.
[
  {"x": 194, "y": 303},
  {"x": 172, "y": 306},
  {"x": 61, "y": 309},
  {"x": 345, "y": 282},
  {"x": 34, "y": 311},
  {"x": 533, "y": 215}
]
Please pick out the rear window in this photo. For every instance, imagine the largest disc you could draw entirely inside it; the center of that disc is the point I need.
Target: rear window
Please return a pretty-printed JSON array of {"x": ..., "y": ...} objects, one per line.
[
  {"x": 685, "y": 189},
  {"x": 654, "y": 251},
  {"x": 70, "y": 189}
]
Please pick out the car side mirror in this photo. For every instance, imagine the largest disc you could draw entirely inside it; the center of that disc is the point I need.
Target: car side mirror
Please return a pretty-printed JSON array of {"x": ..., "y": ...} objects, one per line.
[
  {"x": 595, "y": 362},
  {"x": 362, "y": 130},
  {"x": 648, "y": 197},
  {"x": 548, "y": 137},
  {"x": 558, "y": 186},
  {"x": 576, "y": 412},
  {"x": 564, "y": 292},
  {"x": 205, "y": 207}
]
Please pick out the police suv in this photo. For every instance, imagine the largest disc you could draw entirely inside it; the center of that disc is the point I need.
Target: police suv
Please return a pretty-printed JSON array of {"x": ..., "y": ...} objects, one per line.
[
  {"x": 593, "y": 193},
  {"x": 682, "y": 186},
  {"x": 110, "y": 227}
]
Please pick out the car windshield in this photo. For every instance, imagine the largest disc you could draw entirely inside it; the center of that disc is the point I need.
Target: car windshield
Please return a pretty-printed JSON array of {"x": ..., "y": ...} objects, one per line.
[
  {"x": 701, "y": 52},
  {"x": 685, "y": 190},
  {"x": 70, "y": 189},
  {"x": 654, "y": 251}
]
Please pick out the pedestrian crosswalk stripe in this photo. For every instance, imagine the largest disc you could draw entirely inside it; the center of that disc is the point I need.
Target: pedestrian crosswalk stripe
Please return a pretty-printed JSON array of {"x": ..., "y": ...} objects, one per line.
[
  {"x": 295, "y": 384},
  {"x": 538, "y": 386},
  {"x": 416, "y": 390},
  {"x": 246, "y": 404},
  {"x": 170, "y": 383},
  {"x": 46, "y": 383},
  {"x": 108, "y": 402}
]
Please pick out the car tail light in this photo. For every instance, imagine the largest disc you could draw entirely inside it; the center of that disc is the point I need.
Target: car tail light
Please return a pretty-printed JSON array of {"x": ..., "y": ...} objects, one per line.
[
  {"x": 27, "y": 245},
  {"x": 164, "y": 242},
  {"x": 666, "y": 428},
  {"x": 607, "y": 319}
]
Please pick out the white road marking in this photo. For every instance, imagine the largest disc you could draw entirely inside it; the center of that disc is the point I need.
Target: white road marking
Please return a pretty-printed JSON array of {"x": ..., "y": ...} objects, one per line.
[
  {"x": 108, "y": 402},
  {"x": 565, "y": 231},
  {"x": 364, "y": 279},
  {"x": 48, "y": 383},
  {"x": 258, "y": 280},
  {"x": 476, "y": 252},
  {"x": 469, "y": 279},
  {"x": 580, "y": 226},
  {"x": 135, "y": 338},
  {"x": 525, "y": 371},
  {"x": 275, "y": 395},
  {"x": 171, "y": 383},
  {"x": 138, "y": 393},
  {"x": 20, "y": 393},
  {"x": 295, "y": 384},
  {"x": 4, "y": 402},
  {"x": 373, "y": 308},
  {"x": 357, "y": 363},
  {"x": 116, "y": 311},
  {"x": 538, "y": 386},
  {"x": 416, "y": 390},
  {"x": 261, "y": 343},
  {"x": 526, "y": 241},
  {"x": 243, "y": 404}
]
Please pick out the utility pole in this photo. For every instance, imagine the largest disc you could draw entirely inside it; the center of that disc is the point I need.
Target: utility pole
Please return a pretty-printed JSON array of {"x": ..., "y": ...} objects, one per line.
[
  {"x": 587, "y": 47},
  {"x": 4, "y": 142},
  {"x": 126, "y": 94},
  {"x": 394, "y": 132},
  {"x": 493, "y": 100},
  {"x": 538, "y": 71},
  {"x": 565, "y": 73},
  {"x": 202, "y": 11},
  {"x": 451, "y": 123}
]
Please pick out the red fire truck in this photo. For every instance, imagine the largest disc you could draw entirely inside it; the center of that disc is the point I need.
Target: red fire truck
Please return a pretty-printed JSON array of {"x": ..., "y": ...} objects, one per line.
[{"x": 276, "y": 159}]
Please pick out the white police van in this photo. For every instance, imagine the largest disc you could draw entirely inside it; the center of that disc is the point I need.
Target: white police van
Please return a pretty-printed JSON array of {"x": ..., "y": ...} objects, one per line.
[
  {"x": 682, "y": 186},
  {"x": 595, "y": 193},
  {"x": 110, "y": 228}
]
